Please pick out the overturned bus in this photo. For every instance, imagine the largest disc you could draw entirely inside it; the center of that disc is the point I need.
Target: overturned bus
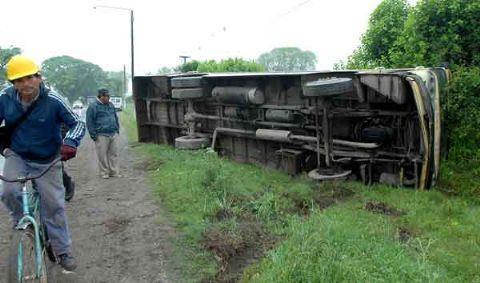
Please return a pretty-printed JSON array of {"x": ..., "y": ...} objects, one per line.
[{"x": 373, "y": 126}]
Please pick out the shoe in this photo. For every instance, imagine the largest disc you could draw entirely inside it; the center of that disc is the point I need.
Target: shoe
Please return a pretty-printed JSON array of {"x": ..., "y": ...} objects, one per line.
[
  {"x": 67, "y": 261},
  {"x": 115, "y": 175},
  {"x": 105, "y": 176},
  {"x": 50, "y": 253}
]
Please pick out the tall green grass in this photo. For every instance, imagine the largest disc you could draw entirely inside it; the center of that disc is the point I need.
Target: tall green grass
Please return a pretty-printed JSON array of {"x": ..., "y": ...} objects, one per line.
[
  {"x": 346, "y": 243},
  {"x": 343, "y": 244},
  {"x": 434, "y": 240},
  {"x": 129, "y": 122}
]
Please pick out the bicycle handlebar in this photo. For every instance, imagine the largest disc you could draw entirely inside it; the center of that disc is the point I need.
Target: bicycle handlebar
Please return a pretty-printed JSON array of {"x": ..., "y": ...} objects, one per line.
[{"x": 28, "y": 178}]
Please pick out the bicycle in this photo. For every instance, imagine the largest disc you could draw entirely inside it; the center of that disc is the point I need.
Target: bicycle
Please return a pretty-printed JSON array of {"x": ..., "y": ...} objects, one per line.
[{"x": 29, "y": 246}]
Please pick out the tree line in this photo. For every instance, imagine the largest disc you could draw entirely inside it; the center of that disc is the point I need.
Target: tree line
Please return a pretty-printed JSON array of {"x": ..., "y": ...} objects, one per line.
[
  {"x": 430, "y": 33},
  {"x": 77, "y": 79},
  {"x": 72, "y": 78},
  {"x": 282, "y": 59}
]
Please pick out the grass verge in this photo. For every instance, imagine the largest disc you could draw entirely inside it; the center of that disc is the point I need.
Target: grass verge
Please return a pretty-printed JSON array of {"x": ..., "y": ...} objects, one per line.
[
  {"x": 241, "y": 222},
  {"x": 432, "y": 239}
]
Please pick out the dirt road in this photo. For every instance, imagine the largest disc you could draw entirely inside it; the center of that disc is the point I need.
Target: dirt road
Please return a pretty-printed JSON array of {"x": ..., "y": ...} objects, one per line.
[{"x": 117, "y": 233}]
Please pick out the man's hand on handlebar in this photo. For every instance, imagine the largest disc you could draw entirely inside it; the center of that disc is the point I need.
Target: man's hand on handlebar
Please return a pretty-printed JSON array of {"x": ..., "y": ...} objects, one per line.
[{"x": 67, "y": 152}]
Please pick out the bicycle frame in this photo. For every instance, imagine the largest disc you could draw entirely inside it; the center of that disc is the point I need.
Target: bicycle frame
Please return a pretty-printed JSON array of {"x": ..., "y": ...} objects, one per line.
[
  {"x": 29, "y": 218},
  {"x": 31, "y": 213}
]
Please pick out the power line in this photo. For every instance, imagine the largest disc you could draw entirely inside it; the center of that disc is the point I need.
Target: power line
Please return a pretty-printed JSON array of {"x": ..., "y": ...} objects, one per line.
[
  {"x": 223, "y": 29},
  {"x": 291, "y": 10}
]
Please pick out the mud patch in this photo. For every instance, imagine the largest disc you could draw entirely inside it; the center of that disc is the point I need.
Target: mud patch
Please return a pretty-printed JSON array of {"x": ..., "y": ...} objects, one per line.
[
  {"x": 116, "y": 224},
  {"x": 224, "y": 244},
  {"x": 331, "y": 194},
  {"x": 236, "y": 249},
  {"x": 302, "y": 206},
  {"x": 223, "y": 213},
  {"x": 382, "y": 208},
  {"x": 404, "y": 234},
  {"x": 321, "y": 196}
]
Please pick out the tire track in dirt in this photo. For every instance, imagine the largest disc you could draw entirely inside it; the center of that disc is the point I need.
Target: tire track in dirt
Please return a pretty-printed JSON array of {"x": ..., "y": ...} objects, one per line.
[{"x": 117, "y": 234}]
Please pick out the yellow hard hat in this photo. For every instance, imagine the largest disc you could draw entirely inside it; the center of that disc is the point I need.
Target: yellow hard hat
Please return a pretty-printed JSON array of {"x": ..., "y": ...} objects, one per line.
[{"x": 20, "y": 66}]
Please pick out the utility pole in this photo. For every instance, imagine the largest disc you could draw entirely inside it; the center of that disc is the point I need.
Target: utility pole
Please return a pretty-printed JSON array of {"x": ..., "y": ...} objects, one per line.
[
  {"x": 131, "y": 45},
  {"x": 132, "y": 53},
  {"x": 184, "y": 57}
]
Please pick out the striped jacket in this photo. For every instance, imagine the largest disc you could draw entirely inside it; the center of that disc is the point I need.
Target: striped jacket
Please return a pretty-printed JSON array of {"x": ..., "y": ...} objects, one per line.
[{"x": 38, "y": 138}]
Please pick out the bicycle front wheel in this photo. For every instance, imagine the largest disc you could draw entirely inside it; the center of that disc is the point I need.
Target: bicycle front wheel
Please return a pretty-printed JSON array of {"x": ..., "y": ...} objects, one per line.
[{"x": 22, "y": 266}]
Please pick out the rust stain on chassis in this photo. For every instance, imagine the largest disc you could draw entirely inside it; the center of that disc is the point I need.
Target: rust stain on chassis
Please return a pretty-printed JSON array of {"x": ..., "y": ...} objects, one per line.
[{"x": 374, "y": 126}]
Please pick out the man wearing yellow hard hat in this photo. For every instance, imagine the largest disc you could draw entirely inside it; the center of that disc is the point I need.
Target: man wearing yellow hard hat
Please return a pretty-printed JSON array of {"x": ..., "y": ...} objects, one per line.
[{"x": 35, "y": 143}]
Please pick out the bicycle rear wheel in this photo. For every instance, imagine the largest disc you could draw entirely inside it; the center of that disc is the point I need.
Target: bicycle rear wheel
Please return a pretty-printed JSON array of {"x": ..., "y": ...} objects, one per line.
[{"x": 21, "y": 262}]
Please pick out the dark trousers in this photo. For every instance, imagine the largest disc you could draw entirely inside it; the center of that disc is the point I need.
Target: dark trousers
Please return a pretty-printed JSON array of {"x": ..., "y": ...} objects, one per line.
[{"x": 68, "y": 184}]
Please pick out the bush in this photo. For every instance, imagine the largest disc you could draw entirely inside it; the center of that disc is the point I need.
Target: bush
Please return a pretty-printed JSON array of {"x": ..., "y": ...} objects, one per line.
[
  {"x": 229, "y": 65},
  {"x": 438, "y": 31},
  {"x": 462, "y": 114},
  {"x": 460, "y": 173},
  {"x": 226, "y": 65}
]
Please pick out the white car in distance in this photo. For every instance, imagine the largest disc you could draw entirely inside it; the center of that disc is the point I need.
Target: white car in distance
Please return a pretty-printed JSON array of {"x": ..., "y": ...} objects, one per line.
[{"x": 79, "y": 109}]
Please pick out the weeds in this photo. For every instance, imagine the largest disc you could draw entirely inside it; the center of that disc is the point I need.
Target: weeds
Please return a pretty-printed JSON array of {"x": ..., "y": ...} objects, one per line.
[
  {"x": 422, "y": 246},
  {"x": 229, "y": 215}
]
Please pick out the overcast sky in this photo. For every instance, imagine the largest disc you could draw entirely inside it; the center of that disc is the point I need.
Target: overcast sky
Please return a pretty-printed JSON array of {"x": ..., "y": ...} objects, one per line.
[{"x": 164, "y": 30}]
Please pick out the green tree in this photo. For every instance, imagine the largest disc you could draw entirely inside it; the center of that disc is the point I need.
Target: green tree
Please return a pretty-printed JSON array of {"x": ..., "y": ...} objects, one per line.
[
  {"x": 191, "y": 66},
  {"x": 73, "y": 78},
  {"x": 386, "y": 24},
  {"x": 229, "y": 65},
  {"x": 340, "y": 65},
  {"x": 5, "y": 55},
  {"x": 115, "y": 83},
  {"x": 441, "y": 31},
  {"x": 288, "y": 59},
  {"x": 164, "y": 70},
  {"x": 225, "y": 65}
]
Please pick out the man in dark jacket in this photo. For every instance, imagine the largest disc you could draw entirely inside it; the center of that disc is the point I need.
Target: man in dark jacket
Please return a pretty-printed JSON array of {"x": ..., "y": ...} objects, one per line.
[
  {"x": 35, "y": 143},
  {"x": 103, "y": 127}
]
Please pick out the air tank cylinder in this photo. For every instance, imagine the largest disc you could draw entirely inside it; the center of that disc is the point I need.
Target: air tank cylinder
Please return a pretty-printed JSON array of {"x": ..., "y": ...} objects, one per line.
[
  {"x": 273, "y": 135},
  {"x": 238, "y": 95},
  {"x": 279, "y": 115}
]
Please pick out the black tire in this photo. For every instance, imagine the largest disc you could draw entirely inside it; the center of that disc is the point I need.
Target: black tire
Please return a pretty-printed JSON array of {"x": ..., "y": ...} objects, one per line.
[
  {"x": 25, "y": 238},
  {"x": 192, "y": 143},
  {"x": 187, "y": 93},
  {"x": 186, "y": 82},
  {"x": 328, "y": 87}
]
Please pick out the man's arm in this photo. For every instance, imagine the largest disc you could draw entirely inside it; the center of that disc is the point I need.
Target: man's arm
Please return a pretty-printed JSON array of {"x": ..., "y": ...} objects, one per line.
[
  {"x": 116, "y": 120},
  {"x": 76, "y": 128},
  {"x": 90, "y": 119},
  {"x": 3, "y": 96}
]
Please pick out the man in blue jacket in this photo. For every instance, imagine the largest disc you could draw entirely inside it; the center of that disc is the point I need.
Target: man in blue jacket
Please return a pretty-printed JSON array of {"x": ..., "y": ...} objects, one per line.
[
  {"x": 103, "y": 127},
  {"x": 35, "y": 143}
]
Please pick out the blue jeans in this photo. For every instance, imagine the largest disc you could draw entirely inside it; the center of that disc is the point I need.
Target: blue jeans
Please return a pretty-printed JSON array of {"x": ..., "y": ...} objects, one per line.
[{"x": 52, "y": 198}]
